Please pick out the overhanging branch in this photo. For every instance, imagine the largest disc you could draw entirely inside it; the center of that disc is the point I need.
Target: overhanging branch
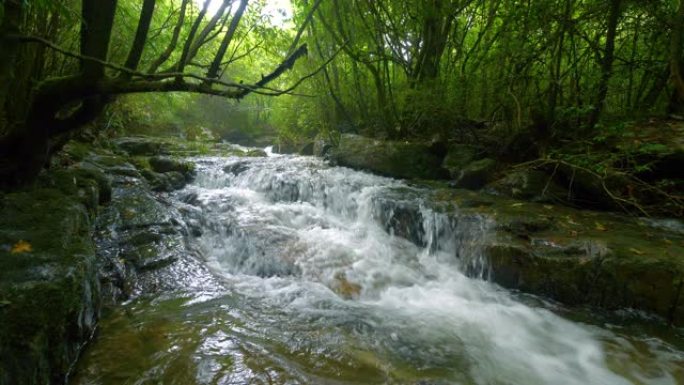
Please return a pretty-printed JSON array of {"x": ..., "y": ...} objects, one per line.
[{"x": 147, "y": 83}]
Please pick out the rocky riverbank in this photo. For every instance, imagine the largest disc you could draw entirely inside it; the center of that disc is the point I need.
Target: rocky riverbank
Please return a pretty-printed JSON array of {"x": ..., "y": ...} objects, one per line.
[
  {"x": 95, "y": 229},
  {"x": 542, "y": 244}
]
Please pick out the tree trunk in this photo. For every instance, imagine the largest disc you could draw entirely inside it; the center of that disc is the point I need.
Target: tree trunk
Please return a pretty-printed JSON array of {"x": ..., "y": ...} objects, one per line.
[
  {"x": 191, "y": 37},
  {"x": 606, "y": 63},
  {"x": 676, "y": 105},
  {"x": 140, "y": 37},
  {"x": 96, "y": 31},
  {"x": 215, "y": 65},
  {"x": 164, "y": 56},
  {"x": 9, "y": 50}
]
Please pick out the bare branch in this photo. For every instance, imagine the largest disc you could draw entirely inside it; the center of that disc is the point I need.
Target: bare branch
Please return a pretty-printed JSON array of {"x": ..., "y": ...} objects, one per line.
[
  {"x": 164, "y": 56},
  {"x": 148, "y": 81}
]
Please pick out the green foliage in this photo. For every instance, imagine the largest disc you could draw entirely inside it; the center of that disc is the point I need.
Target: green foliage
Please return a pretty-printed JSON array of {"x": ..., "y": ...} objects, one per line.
[{"x": 393, "y": 68}]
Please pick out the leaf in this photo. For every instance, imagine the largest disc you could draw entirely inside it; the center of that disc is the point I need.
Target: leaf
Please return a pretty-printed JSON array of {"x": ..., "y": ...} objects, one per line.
[
  {"x": 516, "y": 205},
  {"x": 600, "y": 227},
  {"x": 636, "y": 251},
  {"x": 21, "y": 247},
  {"x": 4, "y": 302}
]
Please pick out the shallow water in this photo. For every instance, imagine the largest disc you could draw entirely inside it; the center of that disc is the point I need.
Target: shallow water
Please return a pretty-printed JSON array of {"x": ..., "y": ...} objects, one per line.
[{"x": 312, "y": 289}]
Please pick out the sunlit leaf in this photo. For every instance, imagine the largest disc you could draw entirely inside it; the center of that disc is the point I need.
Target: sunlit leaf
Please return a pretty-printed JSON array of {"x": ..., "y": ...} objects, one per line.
[{"x": 21, "y": 247}]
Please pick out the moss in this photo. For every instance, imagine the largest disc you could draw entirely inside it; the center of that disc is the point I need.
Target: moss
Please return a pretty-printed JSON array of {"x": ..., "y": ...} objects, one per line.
[
  {"x": 579, "y": 257},
  {"x": 255, "y": 153},
  {"x": 76, "y": 150},
  {"x": 50, "y": 291},
  {"x": 395, "y": 159}
]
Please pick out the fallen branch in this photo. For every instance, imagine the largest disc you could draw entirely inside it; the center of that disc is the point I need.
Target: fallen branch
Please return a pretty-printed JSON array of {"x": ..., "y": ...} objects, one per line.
[{"x": 625, "y": 204}]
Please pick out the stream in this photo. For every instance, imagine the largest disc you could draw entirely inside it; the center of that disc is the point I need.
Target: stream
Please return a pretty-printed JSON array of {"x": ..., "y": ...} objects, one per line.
[{"x": 292, "y": 278}]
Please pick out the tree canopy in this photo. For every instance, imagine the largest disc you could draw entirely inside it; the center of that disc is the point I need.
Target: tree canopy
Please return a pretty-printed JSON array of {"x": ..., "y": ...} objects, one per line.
[
  {"x": 68, "y": 59},
  {"x": 552, "y": 69}
]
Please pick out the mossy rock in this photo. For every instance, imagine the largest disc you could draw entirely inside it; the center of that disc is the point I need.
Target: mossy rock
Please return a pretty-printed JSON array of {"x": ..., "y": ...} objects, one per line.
[
  {"x": 140, "y": 145},
  {"x": 255, "y": 153},
  {"x": 578, "y": 257},
  {"x": 458, "y": 157},
  {"x": 49, "y": 288},
  {"x": 532, "y": 185},
  {"x": 166, "y": 182},
  {"x": 409, "y": 160},
  {"x": 476, "y": 174},
  {"x": 164, "y": 164}
]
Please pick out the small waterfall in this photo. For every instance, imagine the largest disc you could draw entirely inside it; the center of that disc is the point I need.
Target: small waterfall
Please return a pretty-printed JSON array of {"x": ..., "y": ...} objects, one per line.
[
  {"x": 458, "y": 236},
  {"x": 363, "y": 263}
]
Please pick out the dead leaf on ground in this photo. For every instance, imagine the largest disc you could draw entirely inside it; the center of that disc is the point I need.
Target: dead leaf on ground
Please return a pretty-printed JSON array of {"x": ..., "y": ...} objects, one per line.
[{"x": 21, "y": 247}]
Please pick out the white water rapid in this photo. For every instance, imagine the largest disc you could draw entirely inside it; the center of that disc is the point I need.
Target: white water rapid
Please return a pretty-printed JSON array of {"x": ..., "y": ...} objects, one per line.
[{"x": 325, "y": 288}]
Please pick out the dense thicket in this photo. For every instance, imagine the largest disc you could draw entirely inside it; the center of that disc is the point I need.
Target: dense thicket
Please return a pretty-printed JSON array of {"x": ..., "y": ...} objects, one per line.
[
  {"x": 554, "y": 66},
  {"x": 552, "y": 70},
  {"x": 64, "y": 61}
]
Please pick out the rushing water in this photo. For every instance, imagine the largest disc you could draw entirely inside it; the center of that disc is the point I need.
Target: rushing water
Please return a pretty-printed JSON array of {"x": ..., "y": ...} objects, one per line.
[{"x": 312, "y": 289}]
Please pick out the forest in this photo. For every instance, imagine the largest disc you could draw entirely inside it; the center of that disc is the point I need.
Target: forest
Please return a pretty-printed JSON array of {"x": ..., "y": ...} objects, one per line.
[
  {"x": 474, "y": 161},
  {"x": 537, "y": 74}
]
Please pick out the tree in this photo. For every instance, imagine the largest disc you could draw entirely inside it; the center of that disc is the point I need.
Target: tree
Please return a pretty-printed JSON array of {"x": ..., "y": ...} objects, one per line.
[
  {"x": 557, "y": 65},
  {"x": 59, "y": 103},
  {"x": 676, "y": 104}
]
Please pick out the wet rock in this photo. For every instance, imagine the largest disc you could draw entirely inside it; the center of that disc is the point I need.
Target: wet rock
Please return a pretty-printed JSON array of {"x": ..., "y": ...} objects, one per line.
[
  {"x": 321, "y": 147},
  {"x": 166, "y": 182},
  {"x": 589, "y": 273},
  {"x": 256, "y": 153},
  {"x": 476, "y": 174},
  {"x": 113, "y": 165},
  {"x": 236, "y": 168},
  {"x": 49, "y": 288},
  {"x": 151, "y": 247},
  {"x": 401, "y": 218},
  {"x": 307, "y": 149},
  {"x": 87, "y": 184},
  {"x": 170, "y": 181},
  {"x": 345, "y": 288},
  {"x": 190, "y": 198},
  {"x": 590, "y": 189},
  {"x": 140, "y": 145},
  {"x": 390, "y": 158},
  {"x": 163, "y": 164},
  {"x": 135, "y": 207},
  {"x": 457, "y": 158},
  {"x": 53, "y": 278},
  {"x": 578, "y": 257},
  {"x": 532, "y": 185},
  {"x": 142, "y": 231}
]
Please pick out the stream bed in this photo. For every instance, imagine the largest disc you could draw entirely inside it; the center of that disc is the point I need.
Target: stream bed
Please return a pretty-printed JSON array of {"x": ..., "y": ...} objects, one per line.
[{"x": 292, "y": 277}]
